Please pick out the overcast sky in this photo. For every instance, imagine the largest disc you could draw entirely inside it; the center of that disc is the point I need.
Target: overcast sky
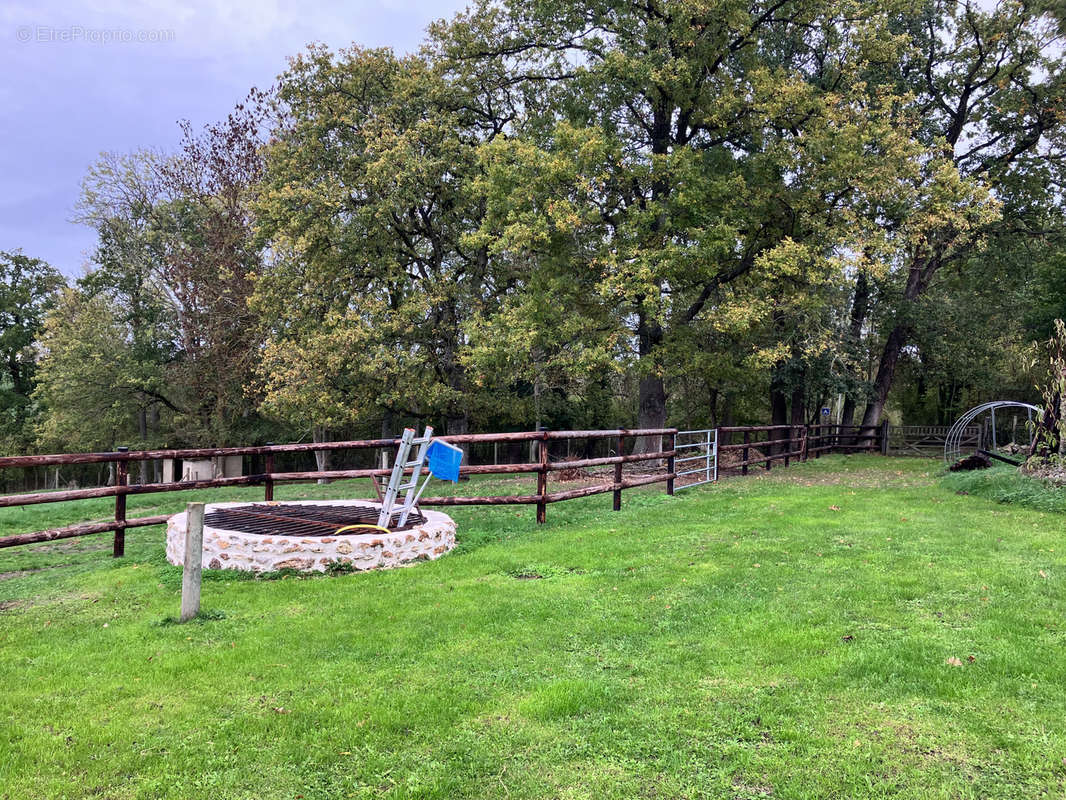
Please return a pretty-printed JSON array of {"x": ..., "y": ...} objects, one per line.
[{"x": 69, "y": 94}]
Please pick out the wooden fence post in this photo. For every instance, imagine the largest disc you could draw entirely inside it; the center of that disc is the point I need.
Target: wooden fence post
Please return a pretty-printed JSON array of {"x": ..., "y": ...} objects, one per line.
[
  {"x": 268, "y": 483},
  {"x": 884, "y": 437},
  {"x": 122, "y": 478},
  {"x": 747, "y": 441},
  {"x": 769, "y": 449},
  {"x": 672, "y": 439},
  {"x": 617, "y": 505},
  {"x": 788, "y": 445},
  {"x": 542, "y": 478},
  {"x": 192, "y": 572}
]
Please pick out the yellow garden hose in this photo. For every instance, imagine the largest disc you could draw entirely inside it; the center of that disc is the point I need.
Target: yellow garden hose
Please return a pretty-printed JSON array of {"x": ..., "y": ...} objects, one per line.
[{"x": 363, "y": 525}]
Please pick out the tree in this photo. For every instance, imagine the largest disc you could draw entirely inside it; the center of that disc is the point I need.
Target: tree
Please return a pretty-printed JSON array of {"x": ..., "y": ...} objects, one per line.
[
  {"x": 366, "y": 204},
  {"x": 118, "y": 200},
  {"x": 203, "y": 229},
  {"x": 28, "y": 288},
  {"x": 688, "y": 165},
  {"x": 990, "y": 87},
  {"x": 176, "y": 254},
  {"x": 90, "y": 383}
]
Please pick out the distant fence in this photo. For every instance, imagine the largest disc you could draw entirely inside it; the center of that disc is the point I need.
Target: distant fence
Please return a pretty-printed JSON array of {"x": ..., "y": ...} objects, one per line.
[
  {"x": 741, "y": 448},
  {"x": 738, "y": 449},
  {"x": 927, "y": 440}
]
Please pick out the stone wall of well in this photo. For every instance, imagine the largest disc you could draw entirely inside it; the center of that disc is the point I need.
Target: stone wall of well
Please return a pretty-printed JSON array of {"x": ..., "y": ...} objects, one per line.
[{"x": 225, "y": 549}]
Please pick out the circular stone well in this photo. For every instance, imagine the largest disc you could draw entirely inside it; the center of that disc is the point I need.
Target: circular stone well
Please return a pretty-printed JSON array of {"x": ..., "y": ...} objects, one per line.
[{"x": 269, "y": 549}]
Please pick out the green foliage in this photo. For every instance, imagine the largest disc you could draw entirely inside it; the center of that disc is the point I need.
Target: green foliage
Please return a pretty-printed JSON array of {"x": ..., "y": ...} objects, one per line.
[
  {"x": 89, "y": 381},
  {"x": 1049, "y": 446},
  {"x": 366, "y": 199},
  {"x": 174, "y": 261},
  {"x": 611, "y": 214},
  {"x": 704, "y": 174},
  {"x": 28, "y": 289}
]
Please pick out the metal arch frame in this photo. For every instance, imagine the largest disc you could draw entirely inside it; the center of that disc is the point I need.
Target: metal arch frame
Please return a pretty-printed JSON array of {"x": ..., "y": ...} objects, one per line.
[{"x": 952, "y": 442}]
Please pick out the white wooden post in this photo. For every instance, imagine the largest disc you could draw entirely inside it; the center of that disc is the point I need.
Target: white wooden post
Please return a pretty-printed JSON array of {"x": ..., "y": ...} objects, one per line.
[{"x": 194, "y": 558}]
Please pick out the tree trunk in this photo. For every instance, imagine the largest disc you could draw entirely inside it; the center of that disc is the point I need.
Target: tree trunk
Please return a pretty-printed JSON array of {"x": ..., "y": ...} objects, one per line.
[
  {"x": 860, "y": 306},
  {"x": 651, "y": 411},
  {"x": 778, "y": 416},
  {"x": 727, "y": 410},
  {"x": 386, "y": 433},
  {"x": 153, "y": 426},
  {"x": 847, "y": 412},
  {"x": 322, "y": 457},
  {"x": 142, "y": 429},
  {"x": 886, "y": 372},
  {"x": 799, "y": 405}
]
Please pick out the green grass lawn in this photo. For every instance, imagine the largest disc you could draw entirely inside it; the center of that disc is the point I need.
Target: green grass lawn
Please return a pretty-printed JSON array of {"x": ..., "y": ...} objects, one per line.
[{"x": 785, "y": 635}]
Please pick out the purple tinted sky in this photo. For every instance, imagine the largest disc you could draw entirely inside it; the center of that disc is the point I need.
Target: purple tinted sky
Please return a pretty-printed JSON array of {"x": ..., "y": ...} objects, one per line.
[{"x": 68, "y": 95}]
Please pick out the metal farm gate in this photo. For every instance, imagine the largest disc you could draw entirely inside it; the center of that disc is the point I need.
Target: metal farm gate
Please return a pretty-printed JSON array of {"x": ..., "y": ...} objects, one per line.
[{"x": 696, "y": 461}]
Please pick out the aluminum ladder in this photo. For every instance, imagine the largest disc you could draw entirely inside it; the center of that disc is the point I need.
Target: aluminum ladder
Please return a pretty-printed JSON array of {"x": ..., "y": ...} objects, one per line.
[{"x": 396, "y": 482}]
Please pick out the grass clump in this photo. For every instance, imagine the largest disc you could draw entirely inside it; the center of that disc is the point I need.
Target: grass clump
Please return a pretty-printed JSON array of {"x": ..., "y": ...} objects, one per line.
[
  {"x": 202, "y": 616},
  {"x": 1003, "y": 483}
]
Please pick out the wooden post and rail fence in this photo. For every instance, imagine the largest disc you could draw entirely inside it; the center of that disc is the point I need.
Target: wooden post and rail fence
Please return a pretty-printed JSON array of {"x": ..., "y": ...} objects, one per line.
[{"x": 760, "y": 445}]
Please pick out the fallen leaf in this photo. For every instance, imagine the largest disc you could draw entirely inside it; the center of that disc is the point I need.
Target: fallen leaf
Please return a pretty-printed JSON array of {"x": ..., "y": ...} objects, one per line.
[
  {"x": 954, "y": 662},
  {"x": 847, "y": 637},
  {"x": 971, "y": 658},
  {"x": 834, "y": 508},
  {"x": 281, "y": 710},
  {"x": 1042, "y": 575}
]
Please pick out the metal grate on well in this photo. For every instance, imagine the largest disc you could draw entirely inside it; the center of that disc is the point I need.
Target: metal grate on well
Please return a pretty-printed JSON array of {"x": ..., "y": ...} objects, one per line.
[{"x": 300, "y": 520}]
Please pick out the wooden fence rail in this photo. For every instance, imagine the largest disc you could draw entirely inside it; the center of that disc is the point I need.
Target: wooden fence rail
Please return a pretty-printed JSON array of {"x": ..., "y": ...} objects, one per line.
[
  {"x": 759, "y": 445},
  {"x": 661, "y": 438}
]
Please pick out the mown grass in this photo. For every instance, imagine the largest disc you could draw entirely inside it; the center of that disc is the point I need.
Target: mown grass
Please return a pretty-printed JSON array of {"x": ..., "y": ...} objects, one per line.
[{"x": 786, "y": 635}]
